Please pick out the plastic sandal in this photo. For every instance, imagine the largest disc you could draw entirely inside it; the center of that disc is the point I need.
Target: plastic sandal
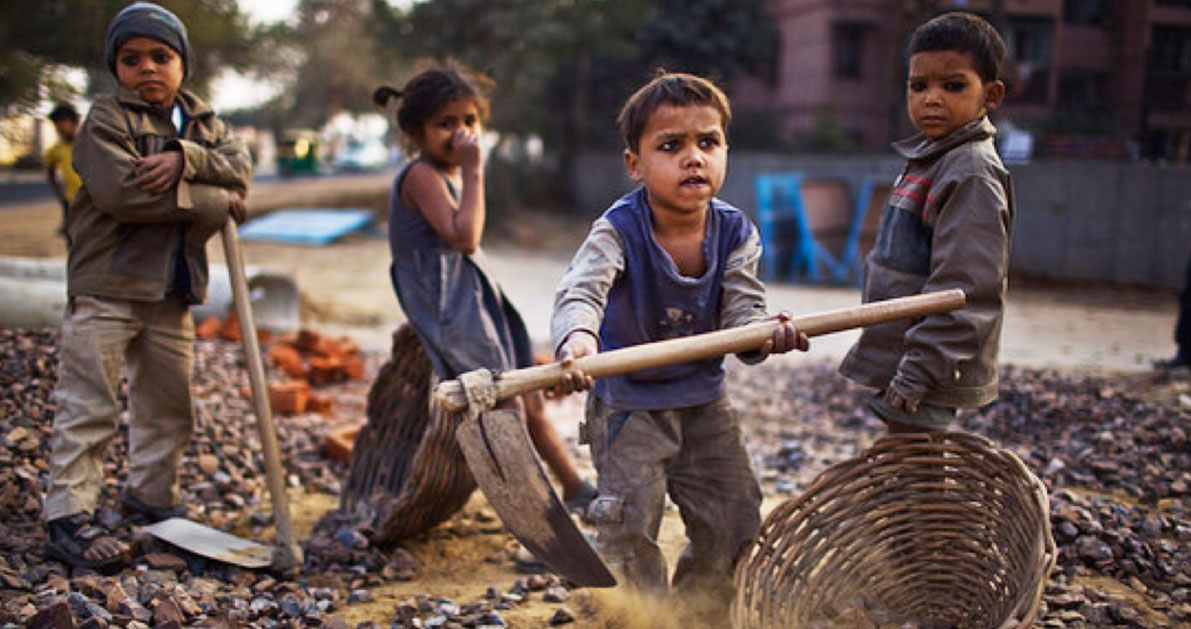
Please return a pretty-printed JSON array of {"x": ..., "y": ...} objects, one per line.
[{"x": 72, "y": 536}]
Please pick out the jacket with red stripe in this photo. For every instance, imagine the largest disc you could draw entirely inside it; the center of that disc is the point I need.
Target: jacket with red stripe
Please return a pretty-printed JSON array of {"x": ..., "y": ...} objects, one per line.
[{"x": 947, "y": 225}]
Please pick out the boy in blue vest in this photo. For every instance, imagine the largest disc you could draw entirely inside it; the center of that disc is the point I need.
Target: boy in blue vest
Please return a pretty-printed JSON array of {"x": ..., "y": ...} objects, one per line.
[{"x": 667, "y": 260}]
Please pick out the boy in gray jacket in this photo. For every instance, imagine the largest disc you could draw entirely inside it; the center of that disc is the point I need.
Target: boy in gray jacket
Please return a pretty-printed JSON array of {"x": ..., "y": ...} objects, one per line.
[
  {"x": 161, "y": 174},
  {"x": 947, "y": 225}
]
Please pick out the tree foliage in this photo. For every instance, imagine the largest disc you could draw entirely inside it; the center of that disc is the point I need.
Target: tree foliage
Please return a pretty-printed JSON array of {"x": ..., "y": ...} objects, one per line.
[
  {"x": 36, "y": 36},
  {"x": 563, "y": 67},
  {"x": 334, "y": 58}
]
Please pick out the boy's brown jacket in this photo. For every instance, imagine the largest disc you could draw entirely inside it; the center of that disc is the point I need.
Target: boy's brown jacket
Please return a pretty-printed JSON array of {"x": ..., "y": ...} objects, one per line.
[
  {"x": 947, "y": 225},
  {"x": 122, "y": 240}
]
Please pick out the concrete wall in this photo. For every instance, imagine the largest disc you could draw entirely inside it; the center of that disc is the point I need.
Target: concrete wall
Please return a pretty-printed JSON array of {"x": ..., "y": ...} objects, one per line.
[{"x": 1085, "y": 221}]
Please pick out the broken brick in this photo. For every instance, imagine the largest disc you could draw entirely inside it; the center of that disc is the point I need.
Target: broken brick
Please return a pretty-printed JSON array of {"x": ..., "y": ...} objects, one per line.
[
  {"x": 325, "y": 369},
  {"x": 288, "y": 360},
  {"x": 338, "y": 444},
  {"x": 320, "y": 404},
  {"x": 307, "y": 341},
  {"x": 289, "y": 396},
  {"x": 209, "y": 328},
  {"x": 231, "y": 329}
]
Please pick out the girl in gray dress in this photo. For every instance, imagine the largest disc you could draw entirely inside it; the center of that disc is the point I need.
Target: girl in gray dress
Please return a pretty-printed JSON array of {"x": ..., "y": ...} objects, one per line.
[{"x": 436, "y": 221}]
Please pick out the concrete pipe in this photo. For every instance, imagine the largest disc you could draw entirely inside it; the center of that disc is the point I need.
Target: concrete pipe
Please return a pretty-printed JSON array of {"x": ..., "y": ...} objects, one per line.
[{"x": 33, "y": 294}]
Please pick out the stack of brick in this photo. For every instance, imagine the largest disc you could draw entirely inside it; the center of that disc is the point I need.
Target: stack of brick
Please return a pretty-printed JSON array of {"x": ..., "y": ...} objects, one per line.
[{"x": 305, "y": 359}]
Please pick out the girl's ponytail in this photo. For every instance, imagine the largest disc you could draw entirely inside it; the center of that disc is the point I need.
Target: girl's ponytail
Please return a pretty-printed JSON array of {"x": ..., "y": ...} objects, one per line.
[{"x": 383, "y": 94}]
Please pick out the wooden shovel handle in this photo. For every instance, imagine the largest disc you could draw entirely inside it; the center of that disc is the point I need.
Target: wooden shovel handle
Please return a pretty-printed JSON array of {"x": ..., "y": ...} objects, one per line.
[
  {"x": 703, "y": 346},
  {"x": 287, "y": 556}
]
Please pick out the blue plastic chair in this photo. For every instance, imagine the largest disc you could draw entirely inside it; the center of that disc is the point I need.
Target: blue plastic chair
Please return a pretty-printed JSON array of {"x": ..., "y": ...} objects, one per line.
[
  {"x": 867, "y": 213},
  {"x": 786, "y": 242}
]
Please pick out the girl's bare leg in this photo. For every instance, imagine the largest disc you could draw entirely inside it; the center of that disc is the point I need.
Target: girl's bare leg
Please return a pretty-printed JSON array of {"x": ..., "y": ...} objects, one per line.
[{"x": 549, "y": 446}]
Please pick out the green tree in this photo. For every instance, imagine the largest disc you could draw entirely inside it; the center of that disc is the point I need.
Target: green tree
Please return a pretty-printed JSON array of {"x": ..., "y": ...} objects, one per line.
[
  {"x": 37, "y": 36},
  {"x": 334, "y": 58},
  {"x": 721, "y": 39}
]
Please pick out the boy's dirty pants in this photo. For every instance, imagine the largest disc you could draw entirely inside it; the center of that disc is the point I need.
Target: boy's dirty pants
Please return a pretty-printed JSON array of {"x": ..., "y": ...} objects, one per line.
[
  {"x": 696, "y": 454},
  {"x": 156, "y": 341}
]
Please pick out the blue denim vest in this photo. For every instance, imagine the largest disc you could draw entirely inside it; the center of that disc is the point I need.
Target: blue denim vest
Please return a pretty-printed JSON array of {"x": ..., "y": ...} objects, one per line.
[{"x": 652, "y": 301}]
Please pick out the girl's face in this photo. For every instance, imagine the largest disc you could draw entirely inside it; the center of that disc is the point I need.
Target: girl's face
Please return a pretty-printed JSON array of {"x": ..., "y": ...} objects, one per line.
[{"x": 438, "y": 133}]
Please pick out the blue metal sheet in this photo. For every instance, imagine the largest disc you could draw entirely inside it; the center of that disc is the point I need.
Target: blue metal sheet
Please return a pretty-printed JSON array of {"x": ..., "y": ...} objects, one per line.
[{"x": 306, "y": 226}]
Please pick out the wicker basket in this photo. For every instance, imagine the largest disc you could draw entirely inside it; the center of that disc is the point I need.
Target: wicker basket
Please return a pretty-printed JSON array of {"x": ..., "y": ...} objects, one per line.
[
  {"x": 407, "y": 472},
  {"x": 938, "y": 530}
]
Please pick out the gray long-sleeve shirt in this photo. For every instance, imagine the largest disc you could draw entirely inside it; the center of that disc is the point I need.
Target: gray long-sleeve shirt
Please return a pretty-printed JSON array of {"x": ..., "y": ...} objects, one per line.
[{"x": 583, "y": 292}]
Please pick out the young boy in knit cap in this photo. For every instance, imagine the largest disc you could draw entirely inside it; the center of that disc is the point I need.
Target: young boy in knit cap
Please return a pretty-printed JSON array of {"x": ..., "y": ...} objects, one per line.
[{"x": 161, "y": 175}]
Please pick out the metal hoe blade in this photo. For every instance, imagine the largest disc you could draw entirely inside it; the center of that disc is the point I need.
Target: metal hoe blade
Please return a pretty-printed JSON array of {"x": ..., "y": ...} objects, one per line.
[
  {"x": 209, "y": 542},
  {"x": 502, "y": 460}
]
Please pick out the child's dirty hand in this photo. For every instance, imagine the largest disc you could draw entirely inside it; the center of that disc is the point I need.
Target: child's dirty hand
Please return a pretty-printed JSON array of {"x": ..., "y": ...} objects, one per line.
[
  {"x": 236, "y": 206},
  {"x": 786, "y": 337},
  {"x": 578, "y": 344},
  {"x": 157, "y": 173},
  {"x": 901, "y": 403}
]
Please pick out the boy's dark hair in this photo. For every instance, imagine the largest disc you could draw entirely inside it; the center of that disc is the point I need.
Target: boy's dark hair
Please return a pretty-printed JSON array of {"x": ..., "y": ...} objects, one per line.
[
  {"x": 428, "y": 92},
  {"x": 667, "y": 88},
  {"x": 963, "y": 33},
  {"x": 64, "y": 111}
]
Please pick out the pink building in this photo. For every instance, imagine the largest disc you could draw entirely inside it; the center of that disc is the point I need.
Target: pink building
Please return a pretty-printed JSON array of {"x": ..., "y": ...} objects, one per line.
[{"x": 1078, "y": 69}]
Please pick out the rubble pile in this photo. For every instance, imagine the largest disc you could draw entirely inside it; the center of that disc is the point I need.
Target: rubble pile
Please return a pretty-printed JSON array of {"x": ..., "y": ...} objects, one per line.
[
  {"x": 1116, "y": 460},
  {"x": 1117, "y": 467},
  {"x": 223, "y": 486}
]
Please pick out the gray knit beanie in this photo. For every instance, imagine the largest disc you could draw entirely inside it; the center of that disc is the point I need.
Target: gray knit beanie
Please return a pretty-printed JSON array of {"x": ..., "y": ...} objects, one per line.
[{"x": 145, "y": 19}]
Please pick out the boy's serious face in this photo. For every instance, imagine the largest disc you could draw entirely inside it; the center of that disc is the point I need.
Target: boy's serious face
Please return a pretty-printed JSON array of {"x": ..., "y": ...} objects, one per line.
[
  {"x": 151, "y": 68},
  {"x": 682, "y": 158},
  {"x": 944, "y": 92}
]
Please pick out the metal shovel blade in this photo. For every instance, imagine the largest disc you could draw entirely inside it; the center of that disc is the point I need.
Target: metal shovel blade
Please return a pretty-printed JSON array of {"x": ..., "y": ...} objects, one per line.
[
  {"x": 502, "y": 460},
  {"x": 212, "y": 543}
]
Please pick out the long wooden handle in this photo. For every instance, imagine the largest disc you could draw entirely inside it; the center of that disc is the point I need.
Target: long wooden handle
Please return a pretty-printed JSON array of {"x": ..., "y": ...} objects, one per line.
[
  {"x": 288, "y": 555},
  {"x": 703, "y": 346}
]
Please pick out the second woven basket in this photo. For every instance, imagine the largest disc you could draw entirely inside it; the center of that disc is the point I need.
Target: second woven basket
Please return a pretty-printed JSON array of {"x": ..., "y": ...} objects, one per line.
[{"x": 928, "y": 530}]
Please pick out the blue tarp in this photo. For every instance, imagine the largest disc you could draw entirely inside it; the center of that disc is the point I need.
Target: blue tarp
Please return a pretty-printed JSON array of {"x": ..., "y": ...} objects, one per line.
[{"x": 306, "y": 226}]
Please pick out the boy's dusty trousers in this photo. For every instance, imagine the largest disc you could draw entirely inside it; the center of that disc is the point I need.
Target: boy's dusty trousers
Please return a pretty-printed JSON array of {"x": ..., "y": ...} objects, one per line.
[
  {"x": 155, "y": 341},
  {"x": 697, "y": 454}
]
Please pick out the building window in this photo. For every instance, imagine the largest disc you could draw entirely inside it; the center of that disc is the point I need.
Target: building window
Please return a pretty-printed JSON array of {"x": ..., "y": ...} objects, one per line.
[
  {"x": 1168, "y": 79},
  {"x": 1083, "y": 12},
  {"x": 1170, "y": 50},
  {"x": 847, "y": 50},
  {"x": 1030, "y": 42},
  {"x": 1083, "y": 90}
]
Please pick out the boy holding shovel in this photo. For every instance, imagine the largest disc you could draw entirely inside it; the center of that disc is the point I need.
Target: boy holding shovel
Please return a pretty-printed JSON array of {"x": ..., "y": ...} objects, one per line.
[
  {"x": 161, "y": 175},
  {"x": 668, "y": 260}
]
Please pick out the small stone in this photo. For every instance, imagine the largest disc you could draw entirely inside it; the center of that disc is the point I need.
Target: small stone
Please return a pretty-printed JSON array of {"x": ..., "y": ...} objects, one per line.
[
  {"x": 360, "y": 596},
  {"x": 562, "y": 616},
  {"x": 56, "y": 616},
  {"x": 555, "y": 594},
  {"x": 167, "y": 611},
  {"x": 1093, "y": 549},
  {"x": 290, "y": 607},
  {"x": 208, "y": 463}
]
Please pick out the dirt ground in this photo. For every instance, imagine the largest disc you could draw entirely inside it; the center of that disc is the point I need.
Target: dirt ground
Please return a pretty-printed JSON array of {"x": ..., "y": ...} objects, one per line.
[{"x": 345, "y": 290}]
